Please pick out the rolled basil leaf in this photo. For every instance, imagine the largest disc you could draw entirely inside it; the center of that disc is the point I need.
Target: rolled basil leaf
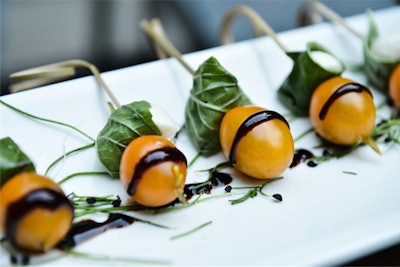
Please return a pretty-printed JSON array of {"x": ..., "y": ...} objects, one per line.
[
  {"x": 12, "y": 160},
  {"x": 124, "y": 124},
  {"x": 296, "y": 91},
  {"x": 377, "y": 68},
  {"x": 214, "y": 92}
]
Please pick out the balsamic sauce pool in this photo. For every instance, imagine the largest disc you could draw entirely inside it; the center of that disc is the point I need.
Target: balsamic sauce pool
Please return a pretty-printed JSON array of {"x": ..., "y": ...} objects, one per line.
[{"x": 87, "y": 229}]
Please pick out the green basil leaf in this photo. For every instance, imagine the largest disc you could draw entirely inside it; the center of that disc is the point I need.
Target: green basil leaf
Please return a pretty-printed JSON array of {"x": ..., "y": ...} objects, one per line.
[
  {"x": 12, "y": 160},
  {"x": 124, "y": 124},
  {"x": 378, "y": 69},
  {"x": 296, "y": 91},
  {"x": 214, "y": 92}
]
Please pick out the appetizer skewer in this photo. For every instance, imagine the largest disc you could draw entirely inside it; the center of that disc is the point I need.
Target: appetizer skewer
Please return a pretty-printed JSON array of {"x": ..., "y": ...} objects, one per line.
[
  {"x": 381, "y": 53},
  {"x": 257, "y": 142},
  {"x": 153, "y": 171},
  {"x": 214, "y": 92},
  {"x": 36, "y": 217},
  {"x": 35, "y": 213},
  {"x": 312, "y": 69},
  {"x": 125, "y": 123},
  {"x": 212, "y": 121}
]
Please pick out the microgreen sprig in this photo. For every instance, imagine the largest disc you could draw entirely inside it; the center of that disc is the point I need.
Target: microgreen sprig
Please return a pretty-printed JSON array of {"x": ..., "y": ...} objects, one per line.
[
  {"x": 191, "y": 231},
  {"x": 113, "y": 260},
  {"x": 82, "y": 148},
  {"x": 332, "y": 152},
  {"x": 26, "y": 114},
  {"x": 69, "y": 177},
  {"x": 389, "y": 129},
  {"x": 254, "y": 191},
  {"x": 85, "y": 205}
]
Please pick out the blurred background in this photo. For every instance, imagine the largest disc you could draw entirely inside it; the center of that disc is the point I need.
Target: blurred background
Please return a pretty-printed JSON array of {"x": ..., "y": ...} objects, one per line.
[{"x": 107, "y": 33}]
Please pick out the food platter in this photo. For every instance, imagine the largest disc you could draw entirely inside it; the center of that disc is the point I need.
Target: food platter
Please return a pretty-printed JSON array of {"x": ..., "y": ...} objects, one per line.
[{"x": 330, "y": 214}]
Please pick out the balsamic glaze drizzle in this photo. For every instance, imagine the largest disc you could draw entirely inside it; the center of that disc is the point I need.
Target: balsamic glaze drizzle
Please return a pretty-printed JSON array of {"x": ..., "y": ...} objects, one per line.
[
  {"x": 86, "y": 229},
  {"x": 251, "y": 122},
  {"x": 153, "y": 158},
  {"x": 345, "y": 89}
]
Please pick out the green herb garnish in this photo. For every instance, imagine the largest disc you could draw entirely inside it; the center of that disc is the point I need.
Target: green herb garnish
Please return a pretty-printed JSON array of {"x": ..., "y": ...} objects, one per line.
[
  {"x": 82, "y": 148},
  {"x": 191, "y": 231},
  {"x": 254, "y": 191},
  {"x": 68, "y": 177},
  {"x": 124, "y": 124},
  {"x": 12, "y": 160},
  {"x": 378, "y": 69},
  {"x": 26, "y": 114},
  {"x": 388, "y": 131},
  {"x": 214, "y": 92},
  {"x": 296, "y": 91},
  {"x": 349, "y": 172},
  {"x": 114, "y": 260}
]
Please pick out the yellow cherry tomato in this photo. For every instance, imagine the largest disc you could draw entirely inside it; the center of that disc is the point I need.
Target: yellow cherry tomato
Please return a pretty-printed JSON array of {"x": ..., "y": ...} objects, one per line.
[
  {"x": 394, "y": 86},
  {"x": 258, "y": 142},
  {"x": 35, "y": 213},
  {"x": 153, "y": 171},
  {"x": 343, "y": 112}
]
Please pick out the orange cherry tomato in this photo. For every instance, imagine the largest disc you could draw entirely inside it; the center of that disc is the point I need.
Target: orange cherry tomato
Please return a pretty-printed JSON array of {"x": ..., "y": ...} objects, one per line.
[
  {"x": 343, "y": 112},
  {"x": 394, "y": 86},
  {"x": 258, "y": 142},
  {"x": 153, "y": 171},
  {"x": 35, "y": 213}
]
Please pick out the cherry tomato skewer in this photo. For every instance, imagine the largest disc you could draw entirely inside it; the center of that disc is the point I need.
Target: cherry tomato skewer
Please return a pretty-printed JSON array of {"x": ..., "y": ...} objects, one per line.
[
  {"x": 35, "y": 213},
  {"x": 343, "y": 112},
  {"x": 153, "y": 171},
  {"x": 394, "y": 86},
  {"x": 258, "y": 142}
]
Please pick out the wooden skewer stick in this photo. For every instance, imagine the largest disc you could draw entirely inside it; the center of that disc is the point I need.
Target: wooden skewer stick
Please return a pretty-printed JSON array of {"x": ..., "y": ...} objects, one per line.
[
  {"x": 42, "y": 75},
  {"x": 322, "y": 9},
  {"x": 259, "y": 25},
  {"x": 155, "y": 31}
]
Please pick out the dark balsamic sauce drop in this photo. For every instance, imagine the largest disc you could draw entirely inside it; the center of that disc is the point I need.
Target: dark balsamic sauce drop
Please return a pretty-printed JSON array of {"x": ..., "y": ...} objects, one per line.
[
  {"x": 312, "y": 164},
  {"x": 301, "y": 155},
  {"x": 19, "y": 259},
  {"x": 87, "y": 229},
  {"x": 217, "y": 179}
]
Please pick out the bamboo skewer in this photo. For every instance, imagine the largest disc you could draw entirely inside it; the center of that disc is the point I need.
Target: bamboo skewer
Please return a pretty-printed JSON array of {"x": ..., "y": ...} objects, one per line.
[
  {"x": 259, "y": 25},
  {"x": 163, "y": 46},
  {"x": 46, "y": 74},
  {"x": 313, "y": 7}
]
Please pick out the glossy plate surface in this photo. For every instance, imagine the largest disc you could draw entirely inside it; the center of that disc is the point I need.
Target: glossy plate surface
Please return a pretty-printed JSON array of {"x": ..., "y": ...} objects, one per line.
[{"x": 338, "y": 211}]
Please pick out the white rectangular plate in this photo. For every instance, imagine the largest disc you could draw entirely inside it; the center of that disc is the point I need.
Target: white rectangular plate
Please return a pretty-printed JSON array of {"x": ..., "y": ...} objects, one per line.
[{"x": 327, "y": 215}]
